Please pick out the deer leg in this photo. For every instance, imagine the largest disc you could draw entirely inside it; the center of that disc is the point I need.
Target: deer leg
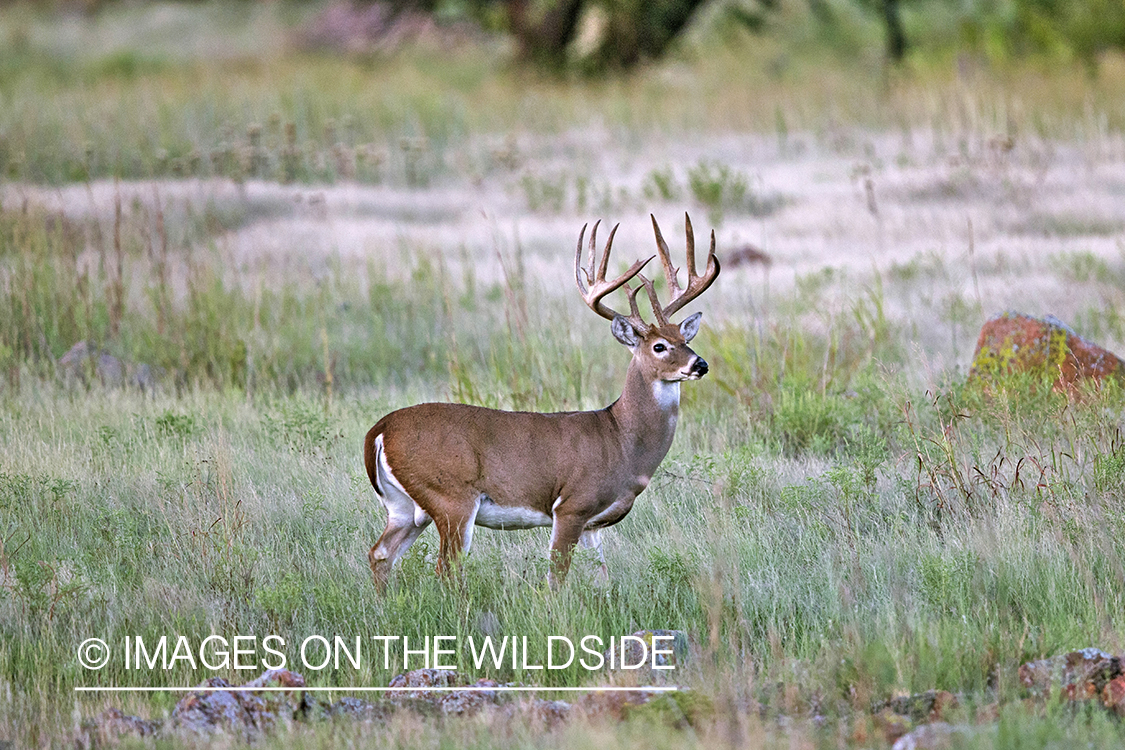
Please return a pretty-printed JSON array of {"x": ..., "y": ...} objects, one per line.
[
  {"x": 592, "y": 539},
  {"x": 456, "y": 530},
  {"x": 565, "y": 533},
  {"x": 392, "y": 545}
]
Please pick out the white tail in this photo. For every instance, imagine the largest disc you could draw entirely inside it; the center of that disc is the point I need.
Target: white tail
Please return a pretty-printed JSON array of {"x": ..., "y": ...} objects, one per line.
[{"x": 462, "y": 466}]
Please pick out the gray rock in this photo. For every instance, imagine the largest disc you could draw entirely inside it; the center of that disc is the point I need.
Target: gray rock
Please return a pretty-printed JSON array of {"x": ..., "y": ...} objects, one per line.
[
  {"x": 110, "y": 727},
  {"x": 244, "y": 715},
  {"x": 455, "y": 702},
  {"x": 84, "y": 363},
  {"x": 1076, "y": 672},
  {"x": 659, "y": 668},
  {"x": 935, "y": 737}
]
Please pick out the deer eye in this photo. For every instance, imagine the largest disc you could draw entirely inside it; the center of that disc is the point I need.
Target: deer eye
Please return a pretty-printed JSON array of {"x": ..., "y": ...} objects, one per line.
[{"x": 658, "y": 348}]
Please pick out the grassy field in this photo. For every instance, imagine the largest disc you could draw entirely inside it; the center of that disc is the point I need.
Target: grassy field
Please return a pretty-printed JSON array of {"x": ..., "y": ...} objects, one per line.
[{"x": 303, "y": 243}]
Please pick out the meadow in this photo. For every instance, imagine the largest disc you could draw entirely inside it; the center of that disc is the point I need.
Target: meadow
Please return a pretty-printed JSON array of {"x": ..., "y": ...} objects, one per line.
[{"x": 299, "y": 243}]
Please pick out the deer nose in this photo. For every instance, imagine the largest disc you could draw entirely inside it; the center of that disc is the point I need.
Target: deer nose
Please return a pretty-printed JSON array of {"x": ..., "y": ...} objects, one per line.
[{"x": 699, "y": 367}]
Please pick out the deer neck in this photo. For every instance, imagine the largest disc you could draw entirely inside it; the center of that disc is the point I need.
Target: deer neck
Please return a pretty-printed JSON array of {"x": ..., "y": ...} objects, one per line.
[{"x": 646, "y": 414}]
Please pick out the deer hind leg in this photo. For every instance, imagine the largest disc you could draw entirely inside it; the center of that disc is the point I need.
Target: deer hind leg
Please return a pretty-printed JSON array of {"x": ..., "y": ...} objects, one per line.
[
  {"x": 405, "y": 522},
  {"x": 392, "y": 545}
]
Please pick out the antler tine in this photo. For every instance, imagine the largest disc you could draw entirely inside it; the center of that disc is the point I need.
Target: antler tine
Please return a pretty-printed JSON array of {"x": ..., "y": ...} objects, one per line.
[
  {"x": 596, "y": 286},
  {"x": 670, "y": 271},
  {"x": 690, "y": 233},
  {"x": 634, "y": 312},
  {"x": 578, "y": 269},
  {"x": 605, "y": 253},
  {"x": 590, "y": 276},
  {"x": 657, "y": 310},
  {"x": 697, "y": 284}
]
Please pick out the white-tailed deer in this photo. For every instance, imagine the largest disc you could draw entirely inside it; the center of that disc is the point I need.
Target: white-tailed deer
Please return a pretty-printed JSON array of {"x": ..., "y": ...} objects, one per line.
[{"x": 462, "y": 466}]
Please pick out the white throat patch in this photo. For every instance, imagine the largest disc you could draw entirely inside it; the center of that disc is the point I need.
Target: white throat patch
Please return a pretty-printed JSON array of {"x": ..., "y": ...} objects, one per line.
[{"x": 667, "y": 394}]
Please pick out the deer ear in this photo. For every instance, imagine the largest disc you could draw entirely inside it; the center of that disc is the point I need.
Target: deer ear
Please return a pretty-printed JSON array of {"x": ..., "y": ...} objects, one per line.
[
  {"x": 624, "y": 332},
  {"x": 690, "y": 326}
]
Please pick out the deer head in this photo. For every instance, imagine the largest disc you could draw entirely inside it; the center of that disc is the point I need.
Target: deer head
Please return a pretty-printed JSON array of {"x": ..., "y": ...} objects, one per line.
[{"x": 660, "y": 350}]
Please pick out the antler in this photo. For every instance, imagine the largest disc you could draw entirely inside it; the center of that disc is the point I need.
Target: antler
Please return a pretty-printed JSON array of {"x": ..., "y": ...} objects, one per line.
[
  {"x": 596, "y": 287},
  {"x": 696, "y": 285}
]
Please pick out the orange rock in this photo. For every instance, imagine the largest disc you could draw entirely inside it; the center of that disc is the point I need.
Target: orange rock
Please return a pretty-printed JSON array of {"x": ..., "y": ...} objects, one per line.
[
  {"x": 1014, "y": 343},
  {"x": 1113, "y": 695},
  {"x": 1081, "y": 691}
]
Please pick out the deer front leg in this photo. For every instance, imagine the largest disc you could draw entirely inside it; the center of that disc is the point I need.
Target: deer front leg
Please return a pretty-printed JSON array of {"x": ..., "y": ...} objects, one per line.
[
  {"x": 592, "y": 539},
  {"x": 565, "y": 533},
  {"x": 456, "y": 531}
]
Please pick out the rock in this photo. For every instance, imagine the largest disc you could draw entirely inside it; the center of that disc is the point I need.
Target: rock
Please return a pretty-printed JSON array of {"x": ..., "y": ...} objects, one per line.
[
  {"x": 551, "y": 713},
  {"x": 893, "y": 725},
  {"x": 638, "y": 647},
  {"x": 931, "y": 705},
  {"x": 1113, "y": 695},
  {"x": 1080, "y": 674},
  {"x": 456, "y": 702},
  {"x": 245, "y": 715},
  {"x": 648, "y": 707},
  {"x": 616, "y": 704},
  {"x": 934, "y": 736},
  {"x": 84, "y": 362},
  {"x": 534, "y": 710},
  {"x": 353, "y": 707},
  {"x": 1015, "y": 343},
  {"x": 111, "y": 726}
]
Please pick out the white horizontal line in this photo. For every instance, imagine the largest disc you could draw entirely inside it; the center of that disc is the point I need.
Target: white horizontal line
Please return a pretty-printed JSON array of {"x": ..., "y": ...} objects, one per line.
[{"x": 365, "y": 689}]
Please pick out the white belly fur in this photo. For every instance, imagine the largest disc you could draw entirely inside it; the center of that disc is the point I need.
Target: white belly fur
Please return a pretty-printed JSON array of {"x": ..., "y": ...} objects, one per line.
[{"x": 495, "y": 516}]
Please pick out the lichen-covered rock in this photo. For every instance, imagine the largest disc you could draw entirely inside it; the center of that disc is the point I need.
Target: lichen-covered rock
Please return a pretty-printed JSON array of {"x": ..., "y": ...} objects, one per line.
[
  {"x": 1113, "y": 695},
  {"x": 648, "y": 707},
  {"x": 934, "y": 737},
  {"x": 84, "y": 362},
  {"x": 615, "y": 704},
  {"x": 456, "y": 702},
  {"x": 352, "y": 707},
  {"x": 639, "y": 648},
  {"x": 243, "y": 714},
  {"x": 1080, "y": 675},
  {"x": 550, "y": 713},
  {"x": 892, "y": 725},
  {"x": 1015, "y": 343},
  {"x": 931, "y": 705},
  {"x": 111, "y": 726}
]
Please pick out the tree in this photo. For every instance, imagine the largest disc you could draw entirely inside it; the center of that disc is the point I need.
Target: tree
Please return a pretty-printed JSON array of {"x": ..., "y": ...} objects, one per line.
[
  {"x": 631, "y": 31},
  {"x": 544, "y": 33},
  {"x": 896, "y": 37}
]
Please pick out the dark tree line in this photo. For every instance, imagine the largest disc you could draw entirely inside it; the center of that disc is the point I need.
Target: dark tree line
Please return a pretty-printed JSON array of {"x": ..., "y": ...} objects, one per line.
[{"x": 628, "y": 32}]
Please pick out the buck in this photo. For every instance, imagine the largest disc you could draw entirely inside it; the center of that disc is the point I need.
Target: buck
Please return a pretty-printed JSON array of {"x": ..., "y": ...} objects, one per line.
[{"x": 461, "y": 466}]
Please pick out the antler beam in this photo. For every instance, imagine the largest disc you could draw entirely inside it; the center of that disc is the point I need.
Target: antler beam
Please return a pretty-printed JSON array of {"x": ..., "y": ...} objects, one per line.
[{"x": 595, "y": 286}]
